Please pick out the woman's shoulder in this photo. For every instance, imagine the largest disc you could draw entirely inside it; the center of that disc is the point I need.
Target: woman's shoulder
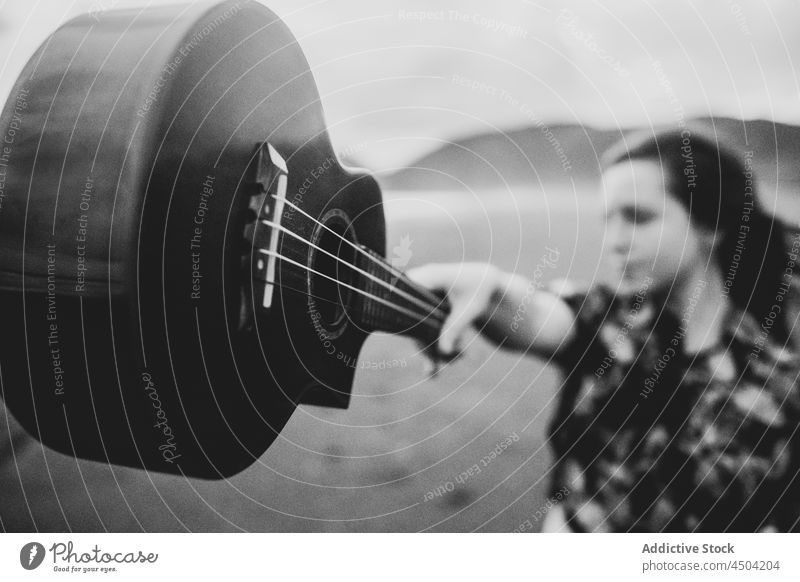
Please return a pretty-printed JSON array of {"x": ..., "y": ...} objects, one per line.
[{"x": 595, "y": 317}]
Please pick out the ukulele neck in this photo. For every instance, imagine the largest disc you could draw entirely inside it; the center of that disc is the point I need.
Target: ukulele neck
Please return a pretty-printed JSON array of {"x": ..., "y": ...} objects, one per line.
[{"x": 395, "y": 304}]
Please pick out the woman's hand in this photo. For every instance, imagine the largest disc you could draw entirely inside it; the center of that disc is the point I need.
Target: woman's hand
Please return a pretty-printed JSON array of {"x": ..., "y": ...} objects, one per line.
[
  {"x": 472, "y": 290},
  {"x": 508, "y": 309}
]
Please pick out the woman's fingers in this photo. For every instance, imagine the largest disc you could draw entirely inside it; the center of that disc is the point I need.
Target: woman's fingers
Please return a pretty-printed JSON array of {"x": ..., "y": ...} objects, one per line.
[
  {"x": 458, "y": 322},
  {"x": 469, "y": 288},
  {"x": 432, "y": 276}
]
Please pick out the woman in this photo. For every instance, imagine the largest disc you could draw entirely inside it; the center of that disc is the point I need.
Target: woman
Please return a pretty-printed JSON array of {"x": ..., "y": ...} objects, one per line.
[{"x": 679, "y": 410}]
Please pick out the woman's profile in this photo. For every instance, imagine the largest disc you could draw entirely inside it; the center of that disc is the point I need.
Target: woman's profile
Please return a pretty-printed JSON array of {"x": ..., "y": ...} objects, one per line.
[{"x": 679, "y": 408}]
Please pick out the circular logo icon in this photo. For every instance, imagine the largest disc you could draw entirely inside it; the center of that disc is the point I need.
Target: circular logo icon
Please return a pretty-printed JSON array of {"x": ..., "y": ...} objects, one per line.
[{"x": 31, "y": 555}]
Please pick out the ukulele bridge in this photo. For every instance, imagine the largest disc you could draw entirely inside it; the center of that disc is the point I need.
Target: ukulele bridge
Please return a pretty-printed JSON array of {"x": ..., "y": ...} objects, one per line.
[{"x": 263, "y": 234}]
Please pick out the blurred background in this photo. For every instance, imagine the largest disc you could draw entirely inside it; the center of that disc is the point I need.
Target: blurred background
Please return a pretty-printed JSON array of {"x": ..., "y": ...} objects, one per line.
[{"x": 484, "y": 123}]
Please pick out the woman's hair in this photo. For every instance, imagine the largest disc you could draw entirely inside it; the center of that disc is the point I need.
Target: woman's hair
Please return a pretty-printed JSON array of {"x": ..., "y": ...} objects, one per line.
[{"x": 717, "y": 188}]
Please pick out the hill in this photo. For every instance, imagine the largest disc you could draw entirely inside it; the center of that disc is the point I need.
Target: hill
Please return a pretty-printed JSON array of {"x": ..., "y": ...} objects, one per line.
[{"x": 541, "y": 154}]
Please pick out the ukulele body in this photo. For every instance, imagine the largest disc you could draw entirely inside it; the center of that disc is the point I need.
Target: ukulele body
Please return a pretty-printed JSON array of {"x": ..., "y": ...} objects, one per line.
[{"x": 141, "y": 144}]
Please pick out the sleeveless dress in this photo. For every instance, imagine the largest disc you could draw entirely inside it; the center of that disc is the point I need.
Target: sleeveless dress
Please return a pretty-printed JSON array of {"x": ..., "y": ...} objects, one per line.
[{"x": 647, "y": 438}]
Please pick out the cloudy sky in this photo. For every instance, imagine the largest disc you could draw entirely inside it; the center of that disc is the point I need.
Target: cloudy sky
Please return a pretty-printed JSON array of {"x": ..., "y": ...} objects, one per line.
[{"x": 400, "y": 77}]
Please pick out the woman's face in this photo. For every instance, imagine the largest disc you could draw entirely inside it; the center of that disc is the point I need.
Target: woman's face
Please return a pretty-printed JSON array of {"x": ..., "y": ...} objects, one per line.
[{"x": 648, "y": 231}]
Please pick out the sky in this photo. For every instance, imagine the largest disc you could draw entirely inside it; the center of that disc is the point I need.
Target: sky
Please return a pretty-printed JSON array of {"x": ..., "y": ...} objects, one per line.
[{"x": 400, "y": 78}]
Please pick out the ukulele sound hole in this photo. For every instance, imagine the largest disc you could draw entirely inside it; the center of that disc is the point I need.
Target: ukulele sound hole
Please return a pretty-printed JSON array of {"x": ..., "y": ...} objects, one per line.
[{"x": 328, "y": 284}]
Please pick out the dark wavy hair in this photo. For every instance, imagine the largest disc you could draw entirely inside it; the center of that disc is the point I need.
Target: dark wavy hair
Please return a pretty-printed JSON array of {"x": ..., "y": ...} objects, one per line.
[{"x": 717, "y": 187}]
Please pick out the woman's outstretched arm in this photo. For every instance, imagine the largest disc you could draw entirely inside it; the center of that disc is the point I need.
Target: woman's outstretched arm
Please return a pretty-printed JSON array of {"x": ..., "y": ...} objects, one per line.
[{"x": 505, "y": 307}]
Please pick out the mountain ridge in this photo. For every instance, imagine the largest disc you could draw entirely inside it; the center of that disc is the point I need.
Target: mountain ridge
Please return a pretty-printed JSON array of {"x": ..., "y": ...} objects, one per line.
[{"x": 541, "y": 154}]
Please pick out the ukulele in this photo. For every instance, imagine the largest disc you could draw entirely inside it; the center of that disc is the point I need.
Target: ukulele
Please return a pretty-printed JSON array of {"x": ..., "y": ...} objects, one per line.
[{"x": 183, "y": 260}]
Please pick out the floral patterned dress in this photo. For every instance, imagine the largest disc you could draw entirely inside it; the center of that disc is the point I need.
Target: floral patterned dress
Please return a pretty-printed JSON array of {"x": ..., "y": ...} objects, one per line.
[{"x": 649, "y": 438}]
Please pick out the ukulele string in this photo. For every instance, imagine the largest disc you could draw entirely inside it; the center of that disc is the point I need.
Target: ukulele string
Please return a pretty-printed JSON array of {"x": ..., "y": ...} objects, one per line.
[
  {"x": 305, "y": 293},
  {"x": 393, "y": 270},
  {"x": 313, "y": 296},
  {"x": 317, "y": 297},
  {"x": 421, "y": 318},
  {"x": 433, "y": 309}
]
